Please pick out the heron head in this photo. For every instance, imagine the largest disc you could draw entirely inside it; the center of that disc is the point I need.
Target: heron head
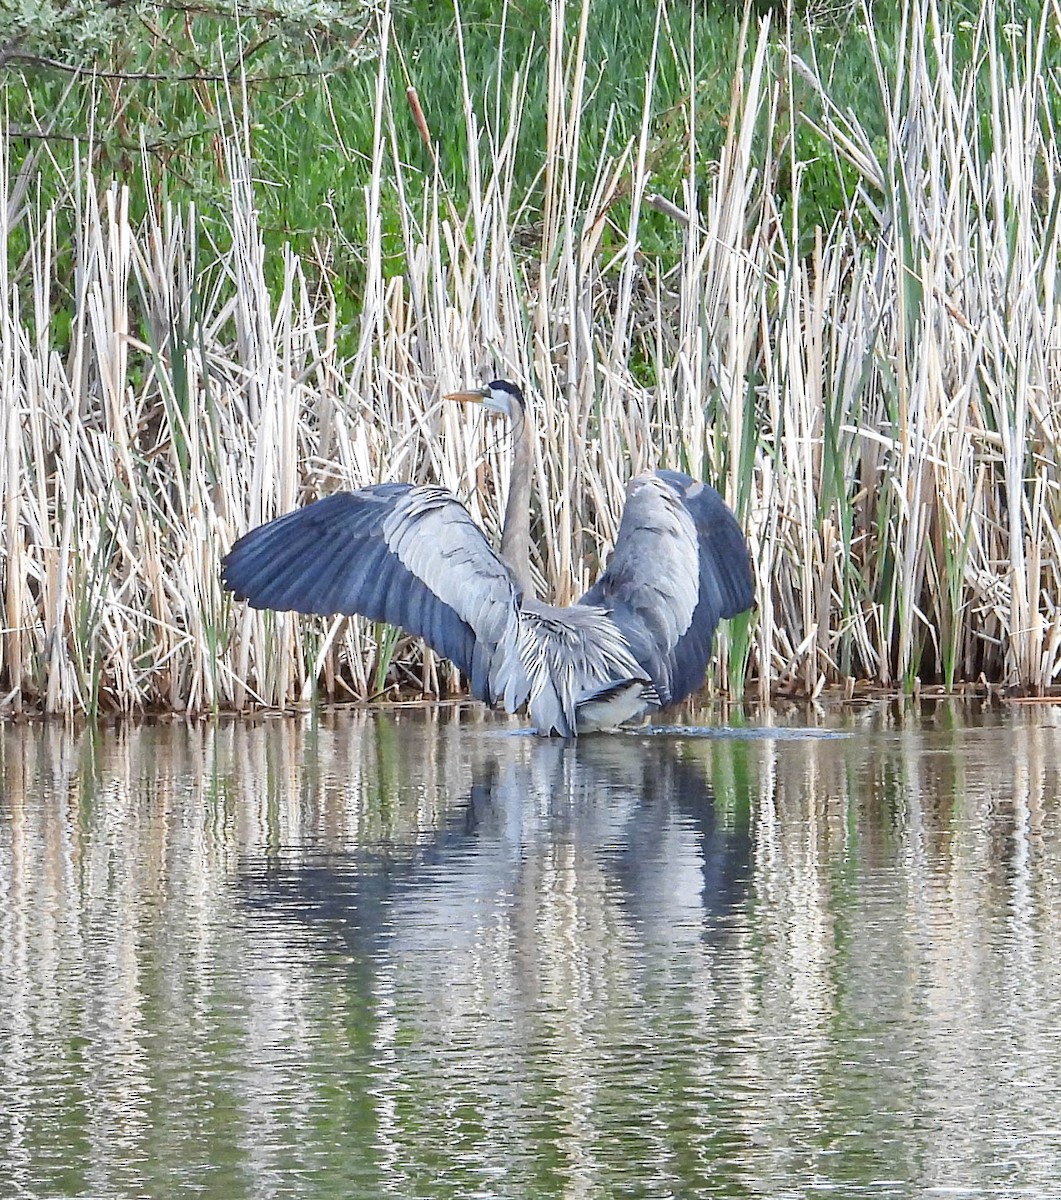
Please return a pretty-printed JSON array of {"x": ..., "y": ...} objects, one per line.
[{"x": 500, "y": 396}]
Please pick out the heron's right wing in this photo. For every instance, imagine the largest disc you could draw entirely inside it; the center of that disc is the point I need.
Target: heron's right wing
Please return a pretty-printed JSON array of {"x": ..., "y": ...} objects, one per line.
[
  {"x": 680, "y": 564},
  {"x": 408, "y": 555}
]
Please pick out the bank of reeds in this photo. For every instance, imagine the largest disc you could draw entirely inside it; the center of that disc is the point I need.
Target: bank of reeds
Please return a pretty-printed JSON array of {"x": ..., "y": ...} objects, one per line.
[{"x": 882, "y": 411}]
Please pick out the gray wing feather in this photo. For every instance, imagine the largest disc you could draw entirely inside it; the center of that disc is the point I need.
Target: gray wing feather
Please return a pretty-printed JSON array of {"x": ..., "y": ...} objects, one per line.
[
  {"x": 411, "y": 556},
  {"x": 680, "y": 564}
]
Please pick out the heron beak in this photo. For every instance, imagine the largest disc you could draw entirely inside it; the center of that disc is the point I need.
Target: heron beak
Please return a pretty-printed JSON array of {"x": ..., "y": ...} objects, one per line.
[{"x": 472, "y": 396}]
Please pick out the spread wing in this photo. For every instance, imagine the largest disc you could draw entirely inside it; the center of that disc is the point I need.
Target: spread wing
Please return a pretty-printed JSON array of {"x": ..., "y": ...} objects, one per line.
[
  {"x": 408, "y": 555},
  {"x": 680, "y": 564}
]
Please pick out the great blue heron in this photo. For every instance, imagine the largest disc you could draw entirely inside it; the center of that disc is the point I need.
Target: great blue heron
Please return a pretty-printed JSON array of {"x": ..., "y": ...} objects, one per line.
[{"x": 638, "y": 640}]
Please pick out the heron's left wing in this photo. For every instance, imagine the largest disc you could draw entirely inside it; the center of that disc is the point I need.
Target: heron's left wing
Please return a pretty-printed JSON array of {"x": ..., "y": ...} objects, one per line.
[
  {"x": 392, "y": 552},
  {"x": 680, "y": 565}
]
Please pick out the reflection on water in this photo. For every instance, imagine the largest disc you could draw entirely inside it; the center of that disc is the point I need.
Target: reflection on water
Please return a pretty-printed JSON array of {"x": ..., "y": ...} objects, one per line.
[{"x": 415, "y": 955}]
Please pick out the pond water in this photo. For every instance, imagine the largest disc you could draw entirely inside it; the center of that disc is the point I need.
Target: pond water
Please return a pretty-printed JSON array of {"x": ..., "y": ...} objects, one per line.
[{"x": 418, "y": 953}]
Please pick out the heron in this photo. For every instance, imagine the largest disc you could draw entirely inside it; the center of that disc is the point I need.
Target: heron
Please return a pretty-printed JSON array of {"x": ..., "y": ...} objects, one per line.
[{"x": 638, "y": 641}]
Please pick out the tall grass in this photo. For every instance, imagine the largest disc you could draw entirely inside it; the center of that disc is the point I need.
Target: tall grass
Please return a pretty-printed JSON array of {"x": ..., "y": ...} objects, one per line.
[{"x": 879, "y": 409}]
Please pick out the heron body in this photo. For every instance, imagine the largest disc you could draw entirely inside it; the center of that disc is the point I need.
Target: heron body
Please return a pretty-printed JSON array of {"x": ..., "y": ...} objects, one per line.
[{"x": 638, "y": 640}]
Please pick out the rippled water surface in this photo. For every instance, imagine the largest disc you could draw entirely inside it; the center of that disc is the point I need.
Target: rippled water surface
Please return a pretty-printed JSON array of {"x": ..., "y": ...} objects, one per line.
[{"x": 420, "y": 954}]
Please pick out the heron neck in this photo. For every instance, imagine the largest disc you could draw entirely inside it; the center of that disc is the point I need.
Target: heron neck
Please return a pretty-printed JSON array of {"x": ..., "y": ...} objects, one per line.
[{"x": 515, "y": 535}]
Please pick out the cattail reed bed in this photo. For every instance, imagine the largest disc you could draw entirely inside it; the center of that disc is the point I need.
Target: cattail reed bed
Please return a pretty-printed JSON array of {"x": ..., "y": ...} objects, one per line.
[{"x": 878, "y": 400}]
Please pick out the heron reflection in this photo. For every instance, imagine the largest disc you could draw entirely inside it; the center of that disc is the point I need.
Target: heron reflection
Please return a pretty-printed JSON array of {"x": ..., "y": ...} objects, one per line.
[{"x": 633, "y": 821}]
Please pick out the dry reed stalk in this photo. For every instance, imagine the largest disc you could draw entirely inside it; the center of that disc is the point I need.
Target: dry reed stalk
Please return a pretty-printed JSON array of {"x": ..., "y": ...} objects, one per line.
[{"x": 880, "y": 410}]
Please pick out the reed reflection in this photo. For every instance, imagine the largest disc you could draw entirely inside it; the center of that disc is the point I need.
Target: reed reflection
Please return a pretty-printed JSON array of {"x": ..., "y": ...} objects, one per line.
[{"x": 409, "y": 954}]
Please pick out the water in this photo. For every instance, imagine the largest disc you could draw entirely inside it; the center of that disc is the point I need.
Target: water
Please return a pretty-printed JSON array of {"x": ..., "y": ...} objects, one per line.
[{"x": 420, "y": 954}]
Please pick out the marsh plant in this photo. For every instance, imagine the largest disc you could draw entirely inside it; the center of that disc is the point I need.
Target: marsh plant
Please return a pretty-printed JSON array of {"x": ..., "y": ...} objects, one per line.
[{"x": 876, "y": 398}]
